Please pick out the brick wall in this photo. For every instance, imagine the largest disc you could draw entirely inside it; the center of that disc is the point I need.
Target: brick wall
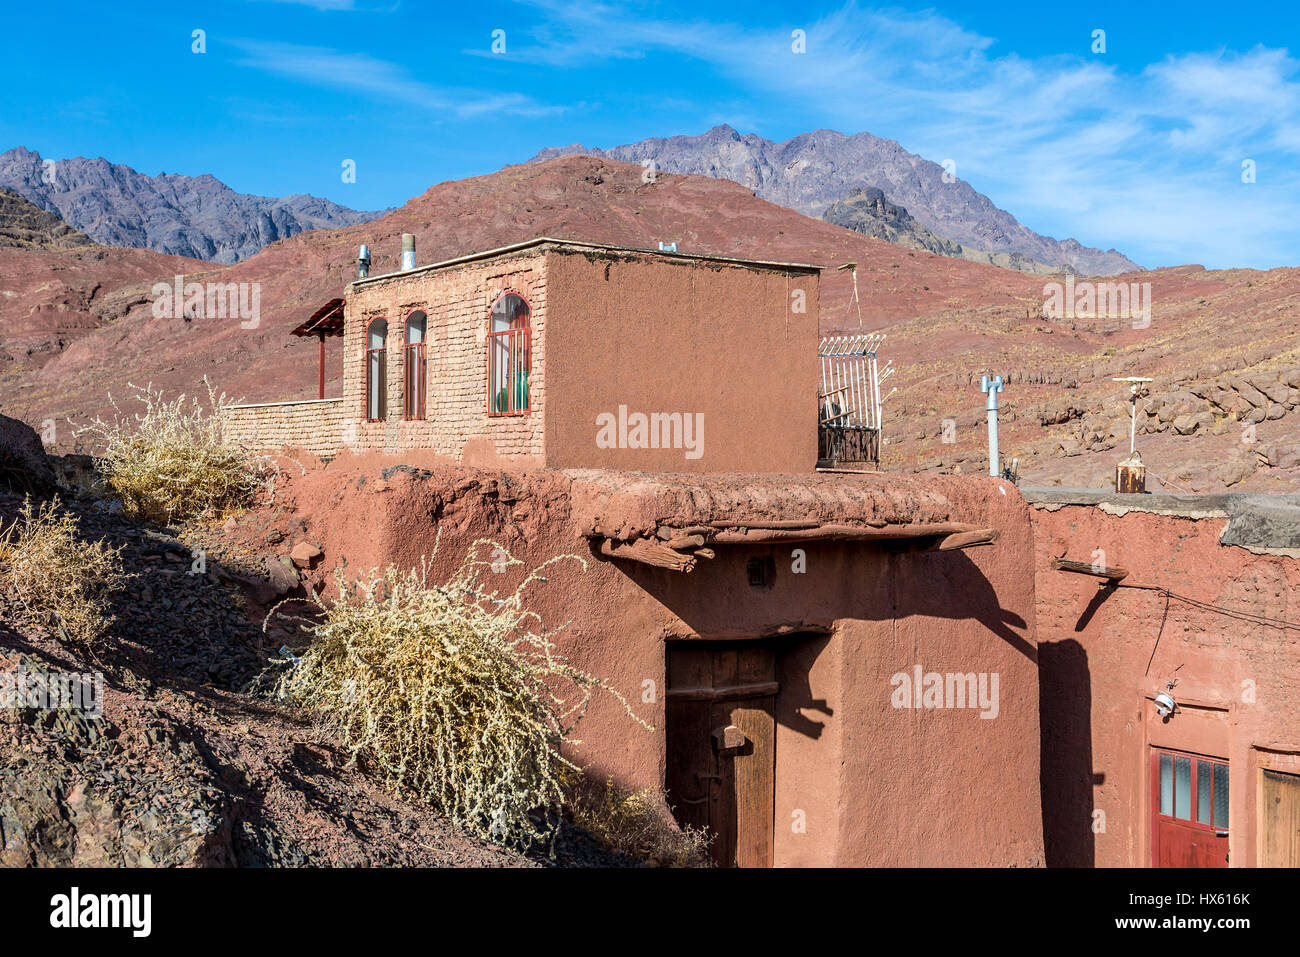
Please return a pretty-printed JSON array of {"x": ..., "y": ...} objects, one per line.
[
  {"x": 314, "y": 426},
  {"x": 457, "y": 302}
]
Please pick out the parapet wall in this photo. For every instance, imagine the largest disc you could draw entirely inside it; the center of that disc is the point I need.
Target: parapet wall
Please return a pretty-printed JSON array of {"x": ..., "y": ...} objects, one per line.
[{"x": 314, "y": 426}]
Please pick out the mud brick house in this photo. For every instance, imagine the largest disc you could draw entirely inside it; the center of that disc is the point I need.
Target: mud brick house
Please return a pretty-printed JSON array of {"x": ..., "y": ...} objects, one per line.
[
  {"x": 842, "y": 668},
  {"x": 509, "y": 356}
]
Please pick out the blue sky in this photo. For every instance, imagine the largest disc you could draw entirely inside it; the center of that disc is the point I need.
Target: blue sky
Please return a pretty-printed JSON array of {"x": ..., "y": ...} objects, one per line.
[{"x": 1140, "y": 147}]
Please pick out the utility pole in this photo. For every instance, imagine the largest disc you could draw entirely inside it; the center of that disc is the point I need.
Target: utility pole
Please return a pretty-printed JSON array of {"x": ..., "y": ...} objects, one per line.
[{"x": 1131, "y": 474}]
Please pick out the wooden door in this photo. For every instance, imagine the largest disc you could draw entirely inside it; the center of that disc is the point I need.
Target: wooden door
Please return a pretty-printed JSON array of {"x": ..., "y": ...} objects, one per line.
[
  {"x": 1279, "y": 819},
  {"x": 1189, "y": 810},
  {"x": 721, "y": 733}
]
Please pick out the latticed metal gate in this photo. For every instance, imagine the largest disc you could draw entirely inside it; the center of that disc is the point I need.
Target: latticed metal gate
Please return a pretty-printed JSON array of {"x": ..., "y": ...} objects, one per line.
[{"x": 849, "y": 402}]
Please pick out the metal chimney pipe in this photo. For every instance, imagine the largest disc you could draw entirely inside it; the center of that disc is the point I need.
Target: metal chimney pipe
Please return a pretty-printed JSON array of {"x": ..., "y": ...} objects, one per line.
[
  {"x": 408, "y": 251},
  {"x": 992, "y": 388},
  {"x": 363, "y": 262}
]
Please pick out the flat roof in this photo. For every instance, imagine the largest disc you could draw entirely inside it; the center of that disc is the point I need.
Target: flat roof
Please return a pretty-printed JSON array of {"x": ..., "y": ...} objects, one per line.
[
  {"x": 1261, "y": 522},
  {"x": 589, "y": 246}
]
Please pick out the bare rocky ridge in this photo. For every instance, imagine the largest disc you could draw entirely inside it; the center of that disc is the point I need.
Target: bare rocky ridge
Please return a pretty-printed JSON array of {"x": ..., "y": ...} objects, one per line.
[
  {"x": 24, "y": 224},
  {"x": 868, "y": 212},
  {"x": 195, "y": 216},
  {"x": 812, "y": 171}
]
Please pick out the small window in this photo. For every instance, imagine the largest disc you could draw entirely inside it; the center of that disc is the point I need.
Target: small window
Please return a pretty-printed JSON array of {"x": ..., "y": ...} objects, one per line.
[
  {"x": 509, "y": 356},
  {"x": 1192, "y": 789},
  {"x": 413, "y": 364},
  {"x": 377, "y": 370}
]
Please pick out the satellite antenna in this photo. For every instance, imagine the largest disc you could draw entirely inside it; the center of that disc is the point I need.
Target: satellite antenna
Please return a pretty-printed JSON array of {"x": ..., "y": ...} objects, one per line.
[{"x": 1130, "y": 475}]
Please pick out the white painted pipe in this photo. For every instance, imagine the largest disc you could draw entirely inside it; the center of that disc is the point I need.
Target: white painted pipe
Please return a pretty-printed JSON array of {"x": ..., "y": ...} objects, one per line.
[{"x": 992, "y": 388}]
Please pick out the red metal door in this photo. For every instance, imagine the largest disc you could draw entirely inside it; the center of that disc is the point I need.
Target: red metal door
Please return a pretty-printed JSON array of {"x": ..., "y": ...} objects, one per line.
[{"x": 1189, "y": 810}]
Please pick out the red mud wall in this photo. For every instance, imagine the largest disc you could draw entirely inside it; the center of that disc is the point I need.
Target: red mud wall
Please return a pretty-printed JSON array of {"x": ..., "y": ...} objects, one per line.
[
  {"x": 736, "y": 345},
  {"x": 1235, "y": 683},
  {"x": 867, "y": 782}
]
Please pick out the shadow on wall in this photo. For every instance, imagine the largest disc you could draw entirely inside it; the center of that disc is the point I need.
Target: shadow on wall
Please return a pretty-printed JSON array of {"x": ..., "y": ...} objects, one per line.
[
  {"x": 795, "y": 656},
  {"x": 1065, "y": 723},
  {"x": 886, "y": 582},
  {"x": 950, "y": 585}
]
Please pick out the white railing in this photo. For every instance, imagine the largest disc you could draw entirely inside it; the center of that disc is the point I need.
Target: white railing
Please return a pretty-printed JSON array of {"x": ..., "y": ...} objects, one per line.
[{"x": 851, "y": 380}]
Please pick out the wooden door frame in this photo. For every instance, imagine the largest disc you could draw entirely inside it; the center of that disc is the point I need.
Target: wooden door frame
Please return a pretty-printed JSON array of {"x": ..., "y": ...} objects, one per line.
[{"x": 713, "y": 697}]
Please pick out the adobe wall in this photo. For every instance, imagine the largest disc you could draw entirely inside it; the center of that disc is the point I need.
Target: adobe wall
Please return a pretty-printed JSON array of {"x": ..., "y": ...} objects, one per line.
[
  {"x": 735, "y": 344},
  {"x": 1235, "y": 678},
  {"x": 314, "y": 425},
  {"x": 457, "y": 301},
  {"x": 872, "y": 783}
]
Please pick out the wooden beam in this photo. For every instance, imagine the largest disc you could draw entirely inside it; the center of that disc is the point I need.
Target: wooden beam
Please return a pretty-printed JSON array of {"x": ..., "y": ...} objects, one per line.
[
  {"x": 648, "y": 553},
  {"x": 842, "y": 533},
  {"x": 980, "y": 536},
  {"x": 1084, "y": 568},
  {"x": 321, "y": 375}
]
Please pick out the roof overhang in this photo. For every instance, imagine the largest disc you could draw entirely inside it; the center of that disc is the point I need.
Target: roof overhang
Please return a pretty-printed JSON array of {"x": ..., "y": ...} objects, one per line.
[
  {"x": 327, "y": 321},
  {"x": 672, "y": 521}
]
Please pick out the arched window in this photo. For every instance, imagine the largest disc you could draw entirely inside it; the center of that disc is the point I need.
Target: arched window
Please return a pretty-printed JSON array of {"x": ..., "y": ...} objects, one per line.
[
  {"x": 377, "y": 370},
  {"x": 509, "y": 356},
  {"x": 413, "y": 364}
]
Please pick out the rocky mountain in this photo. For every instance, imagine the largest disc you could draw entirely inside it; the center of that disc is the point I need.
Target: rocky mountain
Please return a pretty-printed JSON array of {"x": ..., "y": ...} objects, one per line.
[
  {"x": 868, "y": 212},
  {"x": 24, "y": 224},
  {"x": 195, "y": 216},
  {"x": 812, "y": 171}
]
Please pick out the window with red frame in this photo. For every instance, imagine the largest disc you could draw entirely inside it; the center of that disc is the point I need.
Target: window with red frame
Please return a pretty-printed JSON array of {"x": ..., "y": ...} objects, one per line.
[
  {"x": 414, "y": 365},
  {"x": 377, "y": 370},
  {"x": 509, "y": 356}
]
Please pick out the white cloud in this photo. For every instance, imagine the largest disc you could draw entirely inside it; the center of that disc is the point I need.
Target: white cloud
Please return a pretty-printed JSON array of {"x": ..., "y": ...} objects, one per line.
[
  {"x": 1147, "y": 161},
  {"x": 361, "y": 73}
]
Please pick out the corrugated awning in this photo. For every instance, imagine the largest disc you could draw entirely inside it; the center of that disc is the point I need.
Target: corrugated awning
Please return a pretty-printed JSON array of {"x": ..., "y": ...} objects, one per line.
[{"x": 327, "y": 320}]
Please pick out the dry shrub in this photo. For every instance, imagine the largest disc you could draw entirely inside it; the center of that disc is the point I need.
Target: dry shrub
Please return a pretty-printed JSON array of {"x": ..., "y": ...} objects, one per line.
[
  {"x": 171, "y": 462},
  {"x": 60, "y": 579},
  {"x": 635, "y": 823},
  {"x": 449, "y": 692}
]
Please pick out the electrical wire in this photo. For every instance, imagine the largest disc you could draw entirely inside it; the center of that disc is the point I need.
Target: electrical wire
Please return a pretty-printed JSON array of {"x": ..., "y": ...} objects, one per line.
[{"x": 1220, "y": 609}]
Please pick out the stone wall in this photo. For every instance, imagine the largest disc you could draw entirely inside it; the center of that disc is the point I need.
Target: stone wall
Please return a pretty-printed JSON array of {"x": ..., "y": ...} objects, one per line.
[
  {"x": 314, "y": 426},
  {"x": 457, "y": 301}
]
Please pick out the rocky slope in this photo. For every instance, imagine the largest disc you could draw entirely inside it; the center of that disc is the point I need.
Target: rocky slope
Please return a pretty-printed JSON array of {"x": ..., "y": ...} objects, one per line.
[
  {"x": 184, "y": 769},
  {"x": 57, "y": 285},
  {"x": 868, "y": 212},
  {"x": 26, "y": 225},
  {"x": 812, "y": 171},
  {"x": 194, "y": 216}
]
